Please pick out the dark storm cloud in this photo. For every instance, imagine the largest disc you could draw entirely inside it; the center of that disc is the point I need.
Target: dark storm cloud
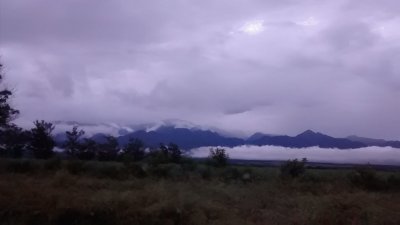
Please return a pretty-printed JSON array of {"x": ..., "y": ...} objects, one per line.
[{"x": 271, "y": 66}]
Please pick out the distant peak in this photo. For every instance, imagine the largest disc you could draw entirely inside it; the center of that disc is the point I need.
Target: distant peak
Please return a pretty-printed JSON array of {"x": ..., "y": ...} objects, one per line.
[{"x": 308, "y": 132}]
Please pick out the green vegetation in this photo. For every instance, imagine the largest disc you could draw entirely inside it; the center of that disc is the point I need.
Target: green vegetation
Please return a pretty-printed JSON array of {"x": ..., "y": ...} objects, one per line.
[
  {"x": 293, "y": 168},
  {"x": 218, "y": 157},
  {"x": 92, "y": 192}
]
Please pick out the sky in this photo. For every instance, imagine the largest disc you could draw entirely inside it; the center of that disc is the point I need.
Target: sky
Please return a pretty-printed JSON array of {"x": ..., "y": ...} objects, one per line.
[{"x": 278, "y": 67}]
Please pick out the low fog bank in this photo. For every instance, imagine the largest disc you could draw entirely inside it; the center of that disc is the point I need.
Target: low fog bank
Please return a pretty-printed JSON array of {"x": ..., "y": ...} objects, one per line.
[{"x": 372, "y": 155}]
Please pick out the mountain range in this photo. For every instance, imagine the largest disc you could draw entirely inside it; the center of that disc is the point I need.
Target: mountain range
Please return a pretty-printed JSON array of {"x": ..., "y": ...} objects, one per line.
[{"x": 191, "y": 137}]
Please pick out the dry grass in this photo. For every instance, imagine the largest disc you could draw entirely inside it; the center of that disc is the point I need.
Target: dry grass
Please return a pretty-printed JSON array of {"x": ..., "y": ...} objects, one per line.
[{"x": 63, "y": 198}]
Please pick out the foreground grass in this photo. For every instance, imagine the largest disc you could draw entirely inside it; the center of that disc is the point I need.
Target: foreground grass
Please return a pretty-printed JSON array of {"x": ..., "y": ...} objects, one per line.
[{"x": 61, "y": 196}]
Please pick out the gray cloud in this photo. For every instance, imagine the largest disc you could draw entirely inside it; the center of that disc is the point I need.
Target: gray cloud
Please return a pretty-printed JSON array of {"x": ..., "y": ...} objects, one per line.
[{"x": 271, "y": 66}]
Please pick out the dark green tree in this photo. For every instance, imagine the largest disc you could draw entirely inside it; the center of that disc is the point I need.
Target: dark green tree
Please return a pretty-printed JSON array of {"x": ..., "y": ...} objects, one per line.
[
  {"x": 42, "y": 143},
  {"x": 7, "y": 113},
  {"x": 174, "y": 152},
  {"x": 108, "y": 151},
  {"x": 73, "y": 145},
  {"x": 293, "y": 168},
  {"x": 218, "y": 157},
  {"x": 134, "y": 150},
  {"x": 165, "y": 154},
  {"x": 12, "y": 138},
  {"x": 87, "y": 149}
]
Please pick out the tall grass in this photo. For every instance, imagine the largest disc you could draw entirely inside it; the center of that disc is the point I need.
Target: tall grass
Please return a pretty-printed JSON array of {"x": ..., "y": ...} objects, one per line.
[{"x": 113, "y": 193}]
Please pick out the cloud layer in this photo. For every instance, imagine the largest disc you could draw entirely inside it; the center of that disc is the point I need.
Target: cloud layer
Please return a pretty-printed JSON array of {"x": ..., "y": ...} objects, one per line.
[
  {"x": 372, "y": 155},
  {"x": 243, "y": 66}
]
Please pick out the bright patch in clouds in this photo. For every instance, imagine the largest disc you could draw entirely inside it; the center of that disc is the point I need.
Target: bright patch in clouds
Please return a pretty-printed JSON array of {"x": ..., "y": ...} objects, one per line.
[{"x": 253, "y": 27}]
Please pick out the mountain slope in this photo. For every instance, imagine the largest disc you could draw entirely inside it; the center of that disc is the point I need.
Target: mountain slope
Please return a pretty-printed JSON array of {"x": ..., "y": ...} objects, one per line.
[
  {"x": 375, "y": 142},
  {"x": 185, "y": 138},
  {"x": 188, "y": 137},
  {"x": 308, "y": 139}
]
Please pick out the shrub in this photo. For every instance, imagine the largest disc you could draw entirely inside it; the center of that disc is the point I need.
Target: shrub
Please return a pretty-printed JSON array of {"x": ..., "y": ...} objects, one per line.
[
  {"x": 247, "y": 175},
  {"x": 218, "y": 157},
  {"x": 52, "y": 164},
  {"x": 205, "y": 172},
  {"x": 106, "y": 170},
  {"x": 293, "y": 168},
  {"x": 231, "y": 173},
  {"x": 393, "y": 182},
  {"x": 188, "y": 164},
  {"x": 367, "y": 178},
  {"x": 108, "y": 151},
  {"x": 169, "y": 170},
  {"x": 75, "y": 167},
  {"x": 311, "y": 178},
  {"x": 156, "y": 157},
  {"x": 135, "y": 169},
  {"x": 87, "y": 149},
  {"x": 133, "y": 151},
  {"x": 19, "y": 166}
]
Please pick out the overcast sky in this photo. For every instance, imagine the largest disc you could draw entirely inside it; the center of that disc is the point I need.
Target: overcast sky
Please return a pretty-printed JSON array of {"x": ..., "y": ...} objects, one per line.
[{"x": 239, "y": 65}]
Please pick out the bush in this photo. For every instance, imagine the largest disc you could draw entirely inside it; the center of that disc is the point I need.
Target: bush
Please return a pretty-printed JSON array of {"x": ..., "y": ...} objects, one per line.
[
  {"x": 247, "y": 175},
  {"x": 112, "y": 170},
  {"x": 205, "y": 172},
  {"x": 108, "y": 151},
  {"x": 107, "y": 170},
  {"x": 52, "y": 164},
  {"x": 135, "y": 169},
  {"x": 169, "y": 170},
  {"x": 75, "y": 167},
  {"x": 133, "y": 151},
  {"x": 19, "y": 166},
  {"x": 366, "y": 177},
  {"x": 293, "y": 168},
  {"x": 311, "y": 178},
  {"x": 393, "y": 182},
  {"x": 157, "y": 157},
  {"x": 188, "y": 164},
  {"x": 231, "y": 173}
]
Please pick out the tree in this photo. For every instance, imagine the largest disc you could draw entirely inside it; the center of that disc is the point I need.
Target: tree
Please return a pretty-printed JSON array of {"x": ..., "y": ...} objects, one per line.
[
  {"x": 165, "y": 154},
  {"x": 174, "y": 152},
  {"x": 218, "y": 157},
  {"x": 11, "y": 137},
  {"x": 134, "y": 150},
  {"x": 87, "y": 149},
  {"x": 293, "y": 168},
  {"x": 72, "y": 145},
  {"x": 42, "y": 143},
  {"x": 108, "y": 151},
  {"x": 171, "y": 152},
  {"x": 7, "y": 113},
  {"x": 14, "y": 140}
]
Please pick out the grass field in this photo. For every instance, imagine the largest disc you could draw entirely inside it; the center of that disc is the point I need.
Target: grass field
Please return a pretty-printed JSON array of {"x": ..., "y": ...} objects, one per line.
[{"x": 63, "y": 192}]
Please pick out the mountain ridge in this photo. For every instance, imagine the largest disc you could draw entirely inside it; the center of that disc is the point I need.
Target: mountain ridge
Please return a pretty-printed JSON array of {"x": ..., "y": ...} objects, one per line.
[{"x": 188, "y": 137}]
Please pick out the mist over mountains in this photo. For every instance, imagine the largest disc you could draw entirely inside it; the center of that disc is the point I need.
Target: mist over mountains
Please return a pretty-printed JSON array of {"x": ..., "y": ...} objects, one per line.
[{"x": 189, "y": 136}]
